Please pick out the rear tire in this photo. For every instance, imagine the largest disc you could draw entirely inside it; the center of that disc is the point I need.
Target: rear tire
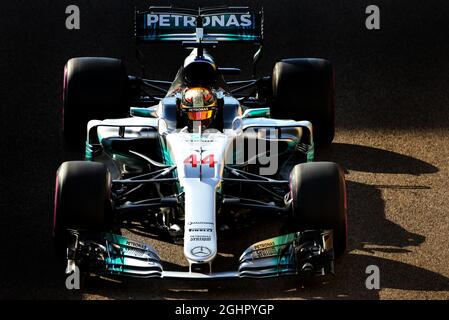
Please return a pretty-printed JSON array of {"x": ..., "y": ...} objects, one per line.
[
  {"x": 318, "y": 195},
  {"x": 94, "y": 88},
  {"x": 82, "y": 201},
  {"x": 304, "y": 89}
]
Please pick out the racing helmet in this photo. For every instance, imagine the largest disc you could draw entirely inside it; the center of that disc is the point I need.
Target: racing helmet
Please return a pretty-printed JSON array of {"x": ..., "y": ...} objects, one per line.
[{"x": 198, "y": 104}]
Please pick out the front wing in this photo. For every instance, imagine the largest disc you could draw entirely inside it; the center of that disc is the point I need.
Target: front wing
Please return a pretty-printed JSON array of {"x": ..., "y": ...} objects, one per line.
[{"x": 299, "y": 253}]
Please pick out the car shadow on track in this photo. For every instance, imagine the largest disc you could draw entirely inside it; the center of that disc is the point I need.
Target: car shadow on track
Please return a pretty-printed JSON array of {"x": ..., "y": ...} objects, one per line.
[
  {"x": 367, "y": 224},
  {"x": 373, "y": 160}
]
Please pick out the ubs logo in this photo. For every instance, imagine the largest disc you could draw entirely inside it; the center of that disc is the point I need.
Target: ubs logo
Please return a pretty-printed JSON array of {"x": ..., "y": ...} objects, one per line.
[{"x": 201, "y": 251}]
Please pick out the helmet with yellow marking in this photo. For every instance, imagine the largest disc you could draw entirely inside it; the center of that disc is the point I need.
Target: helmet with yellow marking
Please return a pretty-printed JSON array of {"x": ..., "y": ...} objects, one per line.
[{"x": 198, "y": 104}]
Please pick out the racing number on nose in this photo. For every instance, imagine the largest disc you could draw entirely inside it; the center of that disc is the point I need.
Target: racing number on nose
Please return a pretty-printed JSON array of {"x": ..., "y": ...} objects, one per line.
[{"x": 193, "y": 160}]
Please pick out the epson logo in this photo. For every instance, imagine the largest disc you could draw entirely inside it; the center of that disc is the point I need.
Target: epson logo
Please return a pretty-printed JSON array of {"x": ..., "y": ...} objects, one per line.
[{"x": 225, "y": 20}]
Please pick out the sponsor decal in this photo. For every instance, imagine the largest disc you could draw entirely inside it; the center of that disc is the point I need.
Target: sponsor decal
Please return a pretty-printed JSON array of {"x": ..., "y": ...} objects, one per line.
[
  {"x": 269, "y": 252},
  {"x": 201, "y": 251},
  {"x": 195, "y": 222},
  {"x": 267, "y": 248},
  {"x": 201, "y": 230},
  {"x": 136, "y": 245},
  {"x": 215, "y": 21},
  {"x": 263, "y": 245},
  {"x": 200, "y": 238},
  {"x": 199, "y": 109}
]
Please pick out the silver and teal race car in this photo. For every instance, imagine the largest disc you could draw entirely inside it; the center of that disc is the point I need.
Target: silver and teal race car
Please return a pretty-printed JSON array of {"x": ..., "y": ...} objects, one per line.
[{"x": 175, "y": 156}]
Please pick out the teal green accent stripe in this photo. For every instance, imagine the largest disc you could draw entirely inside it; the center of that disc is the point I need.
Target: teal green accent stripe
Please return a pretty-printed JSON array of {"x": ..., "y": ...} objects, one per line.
[
  {"x": 88, "y": 151},
  {"x": 311, "y": 153}
]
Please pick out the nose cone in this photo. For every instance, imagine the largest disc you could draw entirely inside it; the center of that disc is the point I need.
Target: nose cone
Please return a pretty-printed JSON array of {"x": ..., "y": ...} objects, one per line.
[{"x": 200, "y": 236}]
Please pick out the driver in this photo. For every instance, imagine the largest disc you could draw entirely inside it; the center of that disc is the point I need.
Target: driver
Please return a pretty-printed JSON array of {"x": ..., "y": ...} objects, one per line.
[{"x": 198, "y": 107}]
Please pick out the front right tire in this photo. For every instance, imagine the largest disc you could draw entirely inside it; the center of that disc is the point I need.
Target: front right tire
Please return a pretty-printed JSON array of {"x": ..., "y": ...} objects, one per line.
[{"x": 318, "y": 196}]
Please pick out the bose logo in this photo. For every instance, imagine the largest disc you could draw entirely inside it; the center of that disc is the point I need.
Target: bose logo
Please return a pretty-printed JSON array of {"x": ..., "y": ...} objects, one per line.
[{"x": 171, "y": 20}]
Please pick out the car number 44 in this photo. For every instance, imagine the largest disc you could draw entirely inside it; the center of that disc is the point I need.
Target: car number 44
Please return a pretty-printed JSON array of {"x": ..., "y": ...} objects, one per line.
[{"x": 193, "y": 160}]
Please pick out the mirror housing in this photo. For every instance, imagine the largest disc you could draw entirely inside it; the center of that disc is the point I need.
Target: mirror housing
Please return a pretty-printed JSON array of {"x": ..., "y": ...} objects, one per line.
[
  {"x": 143, "y": 112},
  {"x": 229, "y": 71},
  {"x": 256, "y": 113}
]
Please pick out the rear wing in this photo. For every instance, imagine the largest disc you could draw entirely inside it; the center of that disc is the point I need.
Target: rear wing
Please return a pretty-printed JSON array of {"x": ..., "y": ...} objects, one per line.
[{"x": 213, "y": 24}]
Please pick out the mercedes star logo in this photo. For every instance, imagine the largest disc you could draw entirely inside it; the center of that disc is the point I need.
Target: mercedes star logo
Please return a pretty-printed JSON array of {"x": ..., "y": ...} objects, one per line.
[{"x": 201, "y": 251}]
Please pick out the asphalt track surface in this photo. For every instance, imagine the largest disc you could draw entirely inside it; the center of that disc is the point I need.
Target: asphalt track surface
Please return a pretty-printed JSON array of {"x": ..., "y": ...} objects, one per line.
[{"x": 392, "y": 140}]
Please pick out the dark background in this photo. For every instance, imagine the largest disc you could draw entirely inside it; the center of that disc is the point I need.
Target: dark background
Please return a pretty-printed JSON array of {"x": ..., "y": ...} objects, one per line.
[{"x": 395, "y": 78}]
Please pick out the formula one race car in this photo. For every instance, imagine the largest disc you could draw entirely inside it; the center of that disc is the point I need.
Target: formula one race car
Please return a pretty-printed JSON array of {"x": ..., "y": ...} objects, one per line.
[{"x": 176, "y": 156}]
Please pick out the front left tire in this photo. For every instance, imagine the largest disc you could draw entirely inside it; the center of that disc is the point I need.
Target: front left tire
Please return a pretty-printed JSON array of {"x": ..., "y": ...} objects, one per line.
[{"x": 82, "y": 200}]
